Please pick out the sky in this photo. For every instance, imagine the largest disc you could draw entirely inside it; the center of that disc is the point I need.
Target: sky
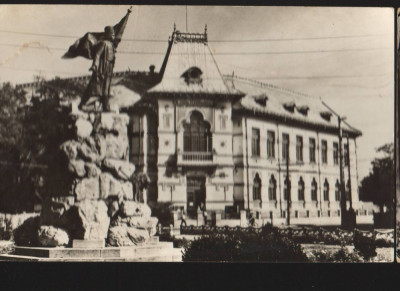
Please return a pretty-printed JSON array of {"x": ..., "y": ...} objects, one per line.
[{"x": 345, "y": 56}]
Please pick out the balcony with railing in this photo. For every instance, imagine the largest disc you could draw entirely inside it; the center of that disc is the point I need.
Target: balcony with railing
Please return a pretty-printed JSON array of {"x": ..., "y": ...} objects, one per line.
[{"x": 195, "y": 158}]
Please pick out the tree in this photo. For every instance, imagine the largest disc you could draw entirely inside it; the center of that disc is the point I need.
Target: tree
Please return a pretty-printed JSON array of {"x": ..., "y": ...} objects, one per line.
[
  {"x": 378, "y": 186},
  {"x": 12, "y": 154},
  {"x": 30, "y": 136}
]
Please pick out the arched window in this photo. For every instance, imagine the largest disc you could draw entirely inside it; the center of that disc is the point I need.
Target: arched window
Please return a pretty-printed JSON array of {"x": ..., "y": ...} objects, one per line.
[
  {"x": 286, "y": 188},
  {"x": 301, "y": 189},
  {"x": 314, "y": 190},
  {"x": 257, "y": 188},
  {"x": 326, "y": 190},
  {"x": 197, "y": 135},
  {"x": 272, "y": 188},
  {"x": 337, "y": 191}
]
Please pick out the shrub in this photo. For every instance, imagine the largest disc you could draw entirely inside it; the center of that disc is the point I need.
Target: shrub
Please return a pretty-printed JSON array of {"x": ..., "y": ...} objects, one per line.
[
  {"x": 344, "y": 256},
  {"x": 341, "y": 256},
  {"x": 364, "y": 245},
  {"x": 27, "y": 233},
  {"x": 181, "y": 242},
  {"x": 238, "y": 246},
  {"x": 178, "y": 242}
]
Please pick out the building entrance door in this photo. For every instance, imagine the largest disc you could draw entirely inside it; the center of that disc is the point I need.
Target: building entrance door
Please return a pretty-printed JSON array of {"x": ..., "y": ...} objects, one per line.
[{"x": 196, "y": 195}]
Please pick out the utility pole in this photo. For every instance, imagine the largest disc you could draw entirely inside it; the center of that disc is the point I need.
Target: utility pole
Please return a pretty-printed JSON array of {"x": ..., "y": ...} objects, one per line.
[
  {"x": 348, "y": 218},
  {"x": 348, "y": 167},
  {"x": 351, "y": 214},
  {"x": 287, "y": 185},
  {"x": 342, "y": 192}
]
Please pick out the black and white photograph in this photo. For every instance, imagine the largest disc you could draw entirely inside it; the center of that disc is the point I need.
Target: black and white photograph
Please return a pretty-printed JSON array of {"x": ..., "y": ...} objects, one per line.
[{"x": 197, "y": 134}]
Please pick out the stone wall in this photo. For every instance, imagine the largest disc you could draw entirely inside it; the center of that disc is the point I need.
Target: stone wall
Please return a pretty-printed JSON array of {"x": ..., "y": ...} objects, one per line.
[{"x": 95, "y": 200}]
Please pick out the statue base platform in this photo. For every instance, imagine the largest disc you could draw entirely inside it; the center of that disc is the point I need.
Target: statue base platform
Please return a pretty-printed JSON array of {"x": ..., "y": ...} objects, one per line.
[
  {"x": 80, "y": 243},
  {"x": 152, "y": 251}
]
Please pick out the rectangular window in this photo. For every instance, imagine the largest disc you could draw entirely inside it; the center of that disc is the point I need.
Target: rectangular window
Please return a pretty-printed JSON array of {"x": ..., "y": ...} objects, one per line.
[
  {"x": 324, "y": 151},
  {"x": 299, "y": 148},
  {"x": 255, "y": 142},
  {"x": 312, "y": 150},
  {"x": 167, "y": 120},
  {"x": 285, "y": 146},
  {"x": 270, "y": 144},
  {"x": 223, "y": 120},
  {"x": 345, "y": 154},
  {"x": 335, "y": 153}
]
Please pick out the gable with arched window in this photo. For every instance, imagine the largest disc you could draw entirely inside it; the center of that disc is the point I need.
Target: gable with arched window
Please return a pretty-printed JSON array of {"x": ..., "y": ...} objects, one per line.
[
  {"x": 272, "y": 188},
  {"x": 197, "y": 134},
  {"x": 301, "y": 189},
  {"x": 326, "y": 190},
  {"x": 257, "y": 188},
  {"x": 314, "y": 190}
]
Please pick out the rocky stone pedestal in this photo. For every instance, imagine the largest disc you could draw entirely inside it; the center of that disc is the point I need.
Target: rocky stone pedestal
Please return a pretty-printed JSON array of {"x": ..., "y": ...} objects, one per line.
[{"x": 95, "y": 199}]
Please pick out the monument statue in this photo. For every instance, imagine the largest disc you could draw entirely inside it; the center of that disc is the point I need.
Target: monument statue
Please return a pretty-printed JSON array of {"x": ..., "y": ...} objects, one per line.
[{"x": 101, "y": 48}]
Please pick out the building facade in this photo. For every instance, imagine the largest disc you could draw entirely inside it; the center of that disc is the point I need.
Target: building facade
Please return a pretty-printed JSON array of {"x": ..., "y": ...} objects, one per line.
[{"x": 220, "y": 143}]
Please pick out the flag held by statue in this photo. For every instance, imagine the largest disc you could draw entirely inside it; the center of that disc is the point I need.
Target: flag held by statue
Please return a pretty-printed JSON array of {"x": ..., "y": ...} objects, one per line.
[{"x": 84, "y": 47}]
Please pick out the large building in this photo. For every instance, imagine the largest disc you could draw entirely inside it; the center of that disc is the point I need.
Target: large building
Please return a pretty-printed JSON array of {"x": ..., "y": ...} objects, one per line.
[
  {"x": 220, "y": 143},
  {"x": 223, "y": 143}
]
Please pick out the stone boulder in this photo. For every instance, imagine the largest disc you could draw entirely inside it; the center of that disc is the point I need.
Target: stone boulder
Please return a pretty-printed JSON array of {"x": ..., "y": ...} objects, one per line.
[
  {"x": 120, "y": 168},
  {"x": 83, "y": 128},
  {"x": 113, "y": 208},
  {"x": 100, "y": 144},
  {"x": 147, "y": 223},
  {"x": 127, "y": 191},
  {"x": 92, "y": 171},
  {"x": 132, "y": 208},
  {"x": 88, "y": 153},
  {"x": 88, "y": 220},
  {"x": 87, "y": 188},
  {"x": 117, "y": 147},
  {"x": 50, "y": 236},
  {"x": 109, "y": 186},
  {"x": 119, "y": 236},
  {"x": 70, "y": 149},
  {"x": 77, "y": 167},
  {"x": 113, "y": 123},
  {"x": 78, "y": 115}
]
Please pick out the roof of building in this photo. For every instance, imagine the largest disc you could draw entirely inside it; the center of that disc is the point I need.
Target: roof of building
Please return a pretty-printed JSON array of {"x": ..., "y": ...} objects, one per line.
[
  {"x": 267, "y": 100},
  {"x": 189, "y": 67}
]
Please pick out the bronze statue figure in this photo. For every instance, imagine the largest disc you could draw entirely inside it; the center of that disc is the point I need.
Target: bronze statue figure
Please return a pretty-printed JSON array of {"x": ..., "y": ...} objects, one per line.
[
  {"x": 102, "y": 69},
  {"x": 101, "y": 48}
]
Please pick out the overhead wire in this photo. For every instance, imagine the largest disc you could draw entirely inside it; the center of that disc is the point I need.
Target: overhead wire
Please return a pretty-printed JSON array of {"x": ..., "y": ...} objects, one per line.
[
  {"x": 210, "y": 40},
  {"x": 216, "y": 53}
]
